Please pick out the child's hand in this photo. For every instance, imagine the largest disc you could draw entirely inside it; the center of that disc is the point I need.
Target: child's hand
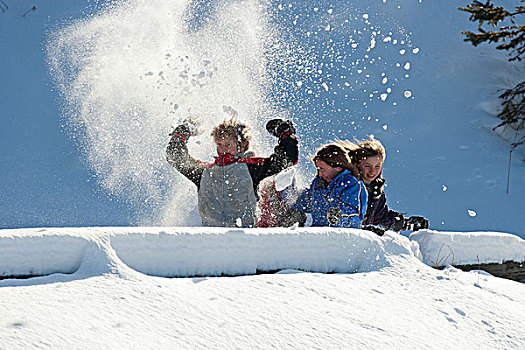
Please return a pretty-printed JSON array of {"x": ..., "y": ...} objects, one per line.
[
  {"x": 186, "y": 129},
  {"x": 415, "y": 223},
  {"x": 377, "y": 230},
  {"x": 193, "y": 126},
  {"x": 279, "y": 127}
]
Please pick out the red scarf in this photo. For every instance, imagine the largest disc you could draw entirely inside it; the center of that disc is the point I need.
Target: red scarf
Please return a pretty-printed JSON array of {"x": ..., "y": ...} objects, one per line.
[{"x": 228, "y": 159}]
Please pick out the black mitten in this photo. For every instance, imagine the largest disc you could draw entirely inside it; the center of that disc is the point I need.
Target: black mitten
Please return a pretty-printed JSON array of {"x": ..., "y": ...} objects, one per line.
[
  {"x": 186, "y": 129},
  {"x": 399, "y": 223},
  {"x": 279, "y": 127},
  {"x": 334, "y": 215},
  {"x": 415, "y": 223},
  {"x": 377, "y": 230}
]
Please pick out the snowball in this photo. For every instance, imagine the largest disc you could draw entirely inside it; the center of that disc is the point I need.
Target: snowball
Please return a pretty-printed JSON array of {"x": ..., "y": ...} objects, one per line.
[{"x": 284, "y": 179}]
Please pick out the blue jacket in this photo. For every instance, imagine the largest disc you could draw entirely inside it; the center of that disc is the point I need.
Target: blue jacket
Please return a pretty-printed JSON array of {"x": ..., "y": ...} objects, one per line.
[{"x": 344, "y": 192}]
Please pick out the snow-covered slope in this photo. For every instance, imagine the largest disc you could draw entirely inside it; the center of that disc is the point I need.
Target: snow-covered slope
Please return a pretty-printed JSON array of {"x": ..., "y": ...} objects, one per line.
[
  {"x": 99, "y": 299},
  {"x": 186, "y": 251},
  {"x": 89, "y": 96}
]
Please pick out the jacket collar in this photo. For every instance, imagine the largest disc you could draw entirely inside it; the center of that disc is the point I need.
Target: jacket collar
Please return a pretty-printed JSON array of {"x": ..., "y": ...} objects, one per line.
[
  {"x": 322, "y": 182},
  {"x": 243, "y": 157},
  {"x": 375, "y": 188}
]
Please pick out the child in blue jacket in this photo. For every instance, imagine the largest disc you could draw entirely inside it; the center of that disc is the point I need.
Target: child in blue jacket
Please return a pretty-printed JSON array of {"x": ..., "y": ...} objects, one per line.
[{"x": 335, "y": 188}]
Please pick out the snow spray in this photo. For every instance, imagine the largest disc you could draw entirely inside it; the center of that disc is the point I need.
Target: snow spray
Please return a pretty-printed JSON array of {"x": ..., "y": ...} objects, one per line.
[{"x": 133, "y": 71}]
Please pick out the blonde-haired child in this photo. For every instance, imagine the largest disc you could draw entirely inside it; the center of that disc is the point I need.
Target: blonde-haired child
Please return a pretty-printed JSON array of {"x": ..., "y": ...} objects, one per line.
[
  {"x": 227, "y": 187},
  {"x": 369, "y": 157}
]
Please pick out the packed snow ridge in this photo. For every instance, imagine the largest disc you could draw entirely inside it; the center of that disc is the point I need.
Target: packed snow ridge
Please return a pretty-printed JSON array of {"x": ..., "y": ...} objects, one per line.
[{"x": 197, "y": 251}]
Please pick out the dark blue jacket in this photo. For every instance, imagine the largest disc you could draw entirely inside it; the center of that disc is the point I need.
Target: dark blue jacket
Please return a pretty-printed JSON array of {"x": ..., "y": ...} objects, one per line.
[
  {"x": 377, "y": 212},
  {"x": 344, "y": 192}
]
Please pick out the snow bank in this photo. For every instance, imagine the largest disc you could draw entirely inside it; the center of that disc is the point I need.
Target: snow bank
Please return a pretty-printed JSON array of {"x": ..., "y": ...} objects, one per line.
[
  {"x": 199, "y": 251},
  {"x": 36, "y": 252},
  {"x": 467, "y": 248},
  {"x": 213, "y": 251},
  {"x": 179, "y": 252}
]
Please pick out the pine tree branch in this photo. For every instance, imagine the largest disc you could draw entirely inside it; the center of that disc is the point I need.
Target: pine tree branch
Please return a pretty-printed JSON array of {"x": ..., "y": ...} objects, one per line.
[
  {"x": 513, "y": 110},
  {"x": 485, "y": 13},
  {"x": 512, "y": 113}
]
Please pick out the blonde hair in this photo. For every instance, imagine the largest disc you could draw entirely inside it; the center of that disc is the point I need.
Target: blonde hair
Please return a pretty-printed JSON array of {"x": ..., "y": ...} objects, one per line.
[
  {"x": 366, "y": 149},
  {"x": 336, "y": 154},
  {"x": 234, "y": 129},
  {"x": 347, "y": 155}
]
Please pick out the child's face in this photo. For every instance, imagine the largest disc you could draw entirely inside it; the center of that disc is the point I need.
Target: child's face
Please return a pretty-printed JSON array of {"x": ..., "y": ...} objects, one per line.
[
  {"x": 325, "y": 171},
  {"x": 370, "y": 168},
  {"x": 227, "y": 144}
]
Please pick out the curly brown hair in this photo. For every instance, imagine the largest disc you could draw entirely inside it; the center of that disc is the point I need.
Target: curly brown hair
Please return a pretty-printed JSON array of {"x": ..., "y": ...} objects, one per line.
[{"x": 234, "y": 129}]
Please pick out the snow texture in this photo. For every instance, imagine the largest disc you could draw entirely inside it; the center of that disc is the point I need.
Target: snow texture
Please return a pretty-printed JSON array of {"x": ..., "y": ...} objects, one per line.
[
  {"x": 183, "y": 252},
  {"x": 103, "y": 291},
  {"x": 118, "y": 75},
  {"x": 467, "y": 248}
]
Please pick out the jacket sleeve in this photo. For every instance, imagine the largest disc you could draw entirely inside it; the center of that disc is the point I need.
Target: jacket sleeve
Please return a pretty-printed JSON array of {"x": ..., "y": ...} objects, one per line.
[
  {"x": 381, "y": 215},
  {"x": 304, "y": 201},
  {"x": 285, "y": 154},
  {"x": 352, "y": 200},
  {"x": 177, "y": 156}
]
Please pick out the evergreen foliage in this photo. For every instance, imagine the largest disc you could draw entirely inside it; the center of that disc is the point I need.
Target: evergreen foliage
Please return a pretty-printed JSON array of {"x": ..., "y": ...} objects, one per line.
[{"x": 512, "y": 37}]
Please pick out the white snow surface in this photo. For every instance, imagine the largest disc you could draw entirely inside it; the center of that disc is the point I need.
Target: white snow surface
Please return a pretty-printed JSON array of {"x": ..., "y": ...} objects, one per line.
[
  {"x": 183, "y": 252},
  {"x": 467, "y": 248},
  {"x": 117, "y": 77},
  {"x": 106, "y": 287}
]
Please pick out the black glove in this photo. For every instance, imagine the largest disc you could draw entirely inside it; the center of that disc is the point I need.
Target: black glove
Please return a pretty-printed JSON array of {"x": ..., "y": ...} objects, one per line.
[
  {"x": 399, "y": 223},
  {"x": 279, "y": 127},
  {"x": 186, "y": 129},
  {"x": 334, "y": 215},
  {"x": 377, "y": 230},
  {"x": 415, "y": 223}
]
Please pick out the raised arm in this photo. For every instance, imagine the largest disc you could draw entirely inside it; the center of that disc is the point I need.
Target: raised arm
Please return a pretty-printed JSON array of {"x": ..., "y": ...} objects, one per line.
[
  {"x": 178, "y": 156},
  {"x": 285, "y": 154}
]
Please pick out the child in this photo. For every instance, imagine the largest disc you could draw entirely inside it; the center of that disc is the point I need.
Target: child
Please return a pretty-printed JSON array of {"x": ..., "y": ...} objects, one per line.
[
  {"x": 335, "y": 188},
  {"x": 272, "y": 210},
  {"x": 227, "y": 187},
  {"x": 369, "y": 157}
]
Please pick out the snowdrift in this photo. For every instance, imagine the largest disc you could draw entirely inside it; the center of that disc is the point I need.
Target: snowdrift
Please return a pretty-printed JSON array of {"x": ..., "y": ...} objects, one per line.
[
  {"x": 184, "y": 252},
  {"x": 467, "y": 248}
]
